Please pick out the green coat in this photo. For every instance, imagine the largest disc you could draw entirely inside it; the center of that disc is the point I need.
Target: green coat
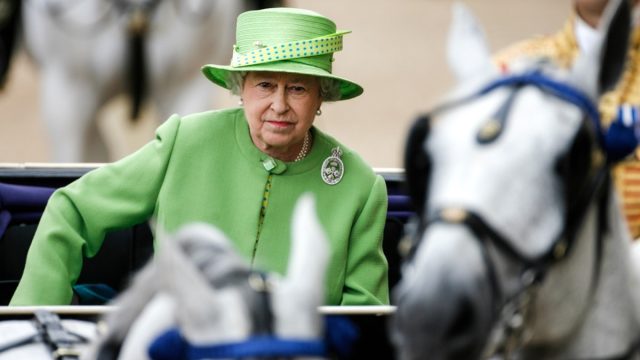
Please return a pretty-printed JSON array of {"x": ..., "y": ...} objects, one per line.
[{"x": 205, "y": 168}]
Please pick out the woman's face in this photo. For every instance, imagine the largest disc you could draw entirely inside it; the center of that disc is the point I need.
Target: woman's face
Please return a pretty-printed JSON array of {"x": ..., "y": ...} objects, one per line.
[{"x": 280, "y": 109}]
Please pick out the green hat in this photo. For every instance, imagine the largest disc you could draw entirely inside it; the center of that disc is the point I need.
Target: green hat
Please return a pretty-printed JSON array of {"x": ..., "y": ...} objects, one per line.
[{"x": 284, "y": 40}]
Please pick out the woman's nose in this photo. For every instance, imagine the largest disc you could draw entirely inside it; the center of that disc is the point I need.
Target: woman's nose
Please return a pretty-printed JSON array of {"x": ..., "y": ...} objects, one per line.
[{"x": 279, "y": 103}]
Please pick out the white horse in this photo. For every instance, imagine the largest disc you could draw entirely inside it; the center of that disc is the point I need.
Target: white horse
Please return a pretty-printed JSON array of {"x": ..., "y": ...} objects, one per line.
[
  {"x": 520, "y": 250},
  {"x": 199, "y": 299},
  {"x": 207, "y": 302},
  {"x": 90, "y": 51}
]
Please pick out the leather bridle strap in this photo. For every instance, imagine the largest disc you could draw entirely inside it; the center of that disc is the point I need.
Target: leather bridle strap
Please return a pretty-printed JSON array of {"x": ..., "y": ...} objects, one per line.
[
  {"x": 24, "y": 341},
  {"x": 61, "y": 342},
  {"x": 560, "y": 90},
  {"x": 486, "y": 234}
]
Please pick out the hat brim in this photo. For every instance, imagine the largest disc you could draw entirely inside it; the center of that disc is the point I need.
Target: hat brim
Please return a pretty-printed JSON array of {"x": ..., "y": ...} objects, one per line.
[{"x": 219, "y": 75}]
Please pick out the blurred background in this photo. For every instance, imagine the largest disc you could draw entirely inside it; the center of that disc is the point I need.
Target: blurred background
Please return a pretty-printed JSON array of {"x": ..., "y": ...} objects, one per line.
[{"x": 396, "y": 51}]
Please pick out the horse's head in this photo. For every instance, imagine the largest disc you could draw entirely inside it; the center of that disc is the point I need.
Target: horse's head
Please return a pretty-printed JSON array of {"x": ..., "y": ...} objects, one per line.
[
  {"x": 199, "y": 299},
  {"x": 503, "y": 177}
]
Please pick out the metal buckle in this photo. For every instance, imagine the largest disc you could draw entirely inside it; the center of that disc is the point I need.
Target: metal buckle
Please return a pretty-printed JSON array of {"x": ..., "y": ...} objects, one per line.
[{"x": 63, "y": 352}]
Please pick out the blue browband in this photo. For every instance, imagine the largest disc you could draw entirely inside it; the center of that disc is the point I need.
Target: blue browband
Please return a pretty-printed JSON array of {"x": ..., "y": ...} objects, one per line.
[
  {"x": 173, "y": 346},
  {"x": 561, "y": 90}
]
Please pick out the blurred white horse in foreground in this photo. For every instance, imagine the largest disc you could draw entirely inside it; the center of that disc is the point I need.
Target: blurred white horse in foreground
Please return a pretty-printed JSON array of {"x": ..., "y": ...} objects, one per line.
[
  {"x": 198, "y": 299},
  {"x": 520, "y": 250},
  {"x": 90, "y": 51}
]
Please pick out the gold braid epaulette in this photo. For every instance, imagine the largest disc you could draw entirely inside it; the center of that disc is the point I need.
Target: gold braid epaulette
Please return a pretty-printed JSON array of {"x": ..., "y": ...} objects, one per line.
[{"x": 562, "y": 48}]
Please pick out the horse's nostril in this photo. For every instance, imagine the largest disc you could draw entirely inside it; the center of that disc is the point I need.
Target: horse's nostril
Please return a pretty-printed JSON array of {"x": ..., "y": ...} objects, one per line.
[
  {"x": 463, "y": 320},
  {"x": 463, "y": 337}
]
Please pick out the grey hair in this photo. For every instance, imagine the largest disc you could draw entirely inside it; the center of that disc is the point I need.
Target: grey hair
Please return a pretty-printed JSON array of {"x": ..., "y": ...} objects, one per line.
[
  {"x": 235, "y": 81},
  {"x": 329, "y": 88}
]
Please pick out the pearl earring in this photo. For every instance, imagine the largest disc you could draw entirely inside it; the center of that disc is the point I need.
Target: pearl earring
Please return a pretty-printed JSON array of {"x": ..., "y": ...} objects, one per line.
[
  {"x": 319, "y": 112},
  {"x": 240, "y": 102}
]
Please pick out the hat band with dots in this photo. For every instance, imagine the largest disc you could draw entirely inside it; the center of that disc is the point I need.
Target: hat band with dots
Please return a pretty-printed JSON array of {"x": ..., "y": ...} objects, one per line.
[{"x": 292, "y": 50}]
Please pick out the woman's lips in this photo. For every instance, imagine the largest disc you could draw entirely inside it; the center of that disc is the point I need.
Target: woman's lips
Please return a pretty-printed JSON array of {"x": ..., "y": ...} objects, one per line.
[{"x": 281, "y": 124}]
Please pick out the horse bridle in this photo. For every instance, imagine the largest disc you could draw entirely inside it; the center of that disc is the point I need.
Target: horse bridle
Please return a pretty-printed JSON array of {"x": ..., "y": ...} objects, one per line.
[{"x": 512, "y": 315}]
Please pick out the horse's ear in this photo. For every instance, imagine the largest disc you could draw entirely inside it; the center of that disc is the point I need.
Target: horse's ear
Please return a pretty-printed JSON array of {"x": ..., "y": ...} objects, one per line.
[
  {"x": 298, "y": 295},
  {"x": 598, "y": 69},
  {"x": 309, "y": 249},
  {"x": 467, "y": 51}
]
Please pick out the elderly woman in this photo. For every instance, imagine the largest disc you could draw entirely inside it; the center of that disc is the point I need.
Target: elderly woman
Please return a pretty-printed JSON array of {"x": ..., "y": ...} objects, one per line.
[{"x": 239, "y": 169}]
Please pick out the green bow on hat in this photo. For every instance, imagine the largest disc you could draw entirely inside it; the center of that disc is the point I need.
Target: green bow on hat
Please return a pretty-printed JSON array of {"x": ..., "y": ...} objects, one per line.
[{"x": 284, "y": 40}]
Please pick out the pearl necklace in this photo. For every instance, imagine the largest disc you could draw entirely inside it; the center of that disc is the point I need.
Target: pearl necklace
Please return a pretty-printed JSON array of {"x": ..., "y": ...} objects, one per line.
[{"x": 305, "y": 148}]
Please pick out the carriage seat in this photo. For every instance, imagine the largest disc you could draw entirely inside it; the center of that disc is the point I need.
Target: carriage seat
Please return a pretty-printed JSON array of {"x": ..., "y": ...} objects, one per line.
[
  {"x": 21, "y": 206},
  {"x": 25, "y": 192}
]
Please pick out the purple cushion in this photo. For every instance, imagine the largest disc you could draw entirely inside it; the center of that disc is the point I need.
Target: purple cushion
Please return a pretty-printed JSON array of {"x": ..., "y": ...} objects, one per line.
[{"x": 22, "y": 203}]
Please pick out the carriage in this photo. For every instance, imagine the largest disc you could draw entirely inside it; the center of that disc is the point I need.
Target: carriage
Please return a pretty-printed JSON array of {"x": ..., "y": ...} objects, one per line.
[{"x": 24, "y": 189}]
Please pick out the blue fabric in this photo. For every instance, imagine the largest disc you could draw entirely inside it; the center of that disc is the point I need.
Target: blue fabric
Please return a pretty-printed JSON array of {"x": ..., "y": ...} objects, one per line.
[
  {"x": 340, "y": 335},
  {"x": 399, "y": 202},
  {"x": 622, "y": 135},
  {"x": 171, "y": 345},
  {"x": 24, "y": 197},
  {"x": 94, "y": 294},
  {"x": 621, "y": 138},
  {"x": 400, "y": 214},
  {"x": 22, "y": 203},
  {"x": 561, "y": 90},
  {"x": 5, "y": 219}
]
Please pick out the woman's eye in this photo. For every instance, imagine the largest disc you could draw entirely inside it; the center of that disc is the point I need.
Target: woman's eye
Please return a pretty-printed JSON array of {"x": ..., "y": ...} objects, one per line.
[
  {"x": 265, "y": 85},
  {"x": 297, "y": 90}
]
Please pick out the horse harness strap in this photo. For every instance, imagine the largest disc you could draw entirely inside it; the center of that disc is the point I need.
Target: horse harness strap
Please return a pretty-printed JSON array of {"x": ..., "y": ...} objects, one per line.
[
  {"x": 262, "y": 313},
  {"x": 514, "y": 313},
  {"x": 62, "y": 343}
]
